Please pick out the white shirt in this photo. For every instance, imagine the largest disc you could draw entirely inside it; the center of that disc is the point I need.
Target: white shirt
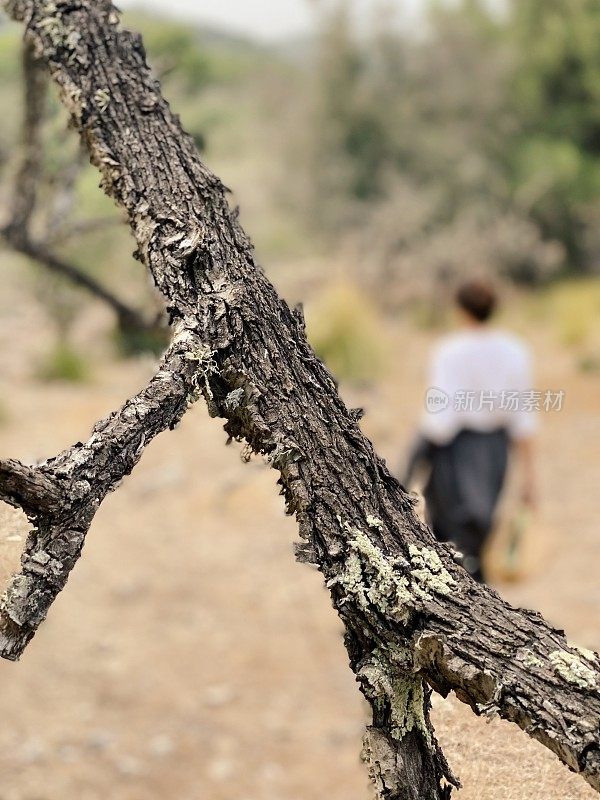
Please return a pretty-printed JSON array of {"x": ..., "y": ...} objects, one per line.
[{"x": 479, "y": 380}]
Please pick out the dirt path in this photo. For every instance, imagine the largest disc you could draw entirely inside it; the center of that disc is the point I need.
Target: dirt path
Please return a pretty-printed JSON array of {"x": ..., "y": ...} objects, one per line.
[{"x": 190, "y": 657}]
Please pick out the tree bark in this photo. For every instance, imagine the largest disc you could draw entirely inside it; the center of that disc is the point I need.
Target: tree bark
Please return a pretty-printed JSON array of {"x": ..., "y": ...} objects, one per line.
[
  {"x": 414, "y": 619},
  {"x": 61, "y": 496}
]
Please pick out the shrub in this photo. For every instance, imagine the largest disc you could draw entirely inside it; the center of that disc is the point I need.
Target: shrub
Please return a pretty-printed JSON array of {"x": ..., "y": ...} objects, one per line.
[
  {"x": 63, "y": 363},
  {"x": 346, "y": 334}
]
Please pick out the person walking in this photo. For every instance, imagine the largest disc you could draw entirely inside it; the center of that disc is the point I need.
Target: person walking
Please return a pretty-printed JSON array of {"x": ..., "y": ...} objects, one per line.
[{"x": 477, "y": 414}]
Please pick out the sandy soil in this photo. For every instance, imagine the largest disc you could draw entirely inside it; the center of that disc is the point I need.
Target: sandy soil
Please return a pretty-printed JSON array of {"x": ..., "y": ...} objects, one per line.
[{"x": 190, "y": 657}]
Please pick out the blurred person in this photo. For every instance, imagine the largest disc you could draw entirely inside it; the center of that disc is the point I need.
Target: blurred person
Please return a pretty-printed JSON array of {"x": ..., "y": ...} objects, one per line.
[{"x": 477, "y": 414}]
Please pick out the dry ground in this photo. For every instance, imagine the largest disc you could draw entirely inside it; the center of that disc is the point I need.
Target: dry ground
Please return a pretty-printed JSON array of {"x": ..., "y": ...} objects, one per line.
[{"x": 190, "y": 657}]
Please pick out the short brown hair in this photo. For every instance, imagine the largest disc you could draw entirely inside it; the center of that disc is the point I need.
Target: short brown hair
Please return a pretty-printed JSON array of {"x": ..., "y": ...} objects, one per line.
[{"x": 478, "y": 298}]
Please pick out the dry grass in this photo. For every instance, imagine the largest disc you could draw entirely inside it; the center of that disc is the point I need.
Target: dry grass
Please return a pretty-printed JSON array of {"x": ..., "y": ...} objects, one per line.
[{"x": 345, "y": 331}]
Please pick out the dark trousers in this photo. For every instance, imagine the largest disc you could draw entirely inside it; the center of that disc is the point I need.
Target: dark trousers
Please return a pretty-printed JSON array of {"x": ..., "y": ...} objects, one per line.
[{"x": 464, "y": 485}]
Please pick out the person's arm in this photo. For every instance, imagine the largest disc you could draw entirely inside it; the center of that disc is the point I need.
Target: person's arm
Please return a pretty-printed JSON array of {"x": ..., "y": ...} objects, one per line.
[
  {"x": 526, "y": 453},
  {"x": 523, "y": 428},
  {"x": 419, "y": 459}
]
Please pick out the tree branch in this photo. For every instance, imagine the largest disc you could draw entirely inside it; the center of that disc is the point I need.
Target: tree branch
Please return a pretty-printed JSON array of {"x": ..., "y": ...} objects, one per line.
[
  {"x": 28, "y": 488},
  {"x": 17, "y": 232},
  {"x": 67, "y": 232},
  {"x": 35, "y": 87},
  {"x": 411, "y": 613},
  {"x": 62, "y": 495},
  {"x": 128, "y": 318}
]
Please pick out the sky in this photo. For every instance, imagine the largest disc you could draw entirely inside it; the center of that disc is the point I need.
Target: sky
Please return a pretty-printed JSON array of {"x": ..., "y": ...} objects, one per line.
[{"x": 264, "y": 19}]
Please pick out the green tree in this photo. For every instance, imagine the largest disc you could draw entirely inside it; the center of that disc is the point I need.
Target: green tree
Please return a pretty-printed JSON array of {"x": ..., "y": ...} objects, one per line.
[{"x": 556, "y": 159}]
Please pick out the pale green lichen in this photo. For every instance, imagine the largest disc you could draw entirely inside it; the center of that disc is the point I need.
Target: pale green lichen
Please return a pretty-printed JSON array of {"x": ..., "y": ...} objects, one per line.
[
  {"x": 372, "y": 578},
  {"x": 429, "y": 575},
  {"x": 390, "y": 584},
  {"x": 61, "y": 35},
  {"x": 234, "y": 399},
  {"x": 202, "y": 354},
  {"x": 52, "y": 25},
  {"x": 374, "y": 522},
  {"x": 403, "y": 694},
  {"x": 352, "y": 579},
  {"x": 207, "y": 366},
  {"x": 14, "y": 601},
  {"x": 589, "y": 655},
  {"x": 398, "y": 655},
  {"x": 530, "y": 659},
  {"x": 571, "y": 668},
  {"x": 102, "y": 100}
]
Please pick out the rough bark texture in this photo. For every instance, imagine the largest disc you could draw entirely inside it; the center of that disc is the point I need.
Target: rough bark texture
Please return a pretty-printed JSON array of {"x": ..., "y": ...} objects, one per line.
[
  {"x": 414, "y": 619},
  {"x": 61, "y": 496}
]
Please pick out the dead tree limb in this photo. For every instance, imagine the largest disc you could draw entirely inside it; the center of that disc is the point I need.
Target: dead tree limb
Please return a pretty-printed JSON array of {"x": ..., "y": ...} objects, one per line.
[
  {"x": 413, "y": 617},
  {"x": 17, "y": 232},
  {"x": 61, "y": 496}
]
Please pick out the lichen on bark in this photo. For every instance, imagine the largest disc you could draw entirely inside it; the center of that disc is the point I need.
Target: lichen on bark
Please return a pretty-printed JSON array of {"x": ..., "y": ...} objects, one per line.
[{"x": 572, "y": 668}]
